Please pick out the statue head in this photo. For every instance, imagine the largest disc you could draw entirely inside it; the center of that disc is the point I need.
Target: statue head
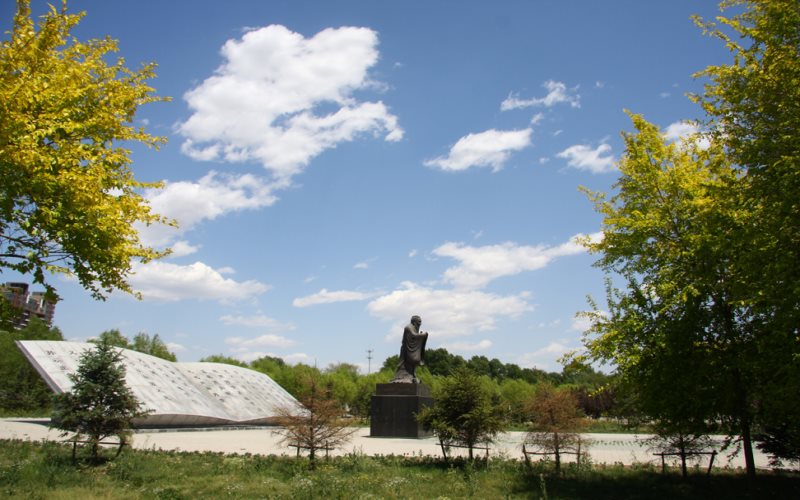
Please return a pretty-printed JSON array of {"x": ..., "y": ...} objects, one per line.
[{"x": 416, "y": 320}]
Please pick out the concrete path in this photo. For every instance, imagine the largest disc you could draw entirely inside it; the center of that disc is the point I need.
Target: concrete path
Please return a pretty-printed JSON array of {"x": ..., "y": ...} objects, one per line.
[{"x": 604, "y": 448}]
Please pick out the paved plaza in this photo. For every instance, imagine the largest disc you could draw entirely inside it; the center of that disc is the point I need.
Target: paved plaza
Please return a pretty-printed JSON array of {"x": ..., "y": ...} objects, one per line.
[{"x": 604, "y": 448}]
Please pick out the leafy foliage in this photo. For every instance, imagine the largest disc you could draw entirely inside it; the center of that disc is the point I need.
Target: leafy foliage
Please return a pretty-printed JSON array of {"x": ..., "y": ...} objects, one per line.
[
  {"x": 317, "y": 426},
  {"x": 555, "y": 421},
  {"x": 464, "y": 412},
  {"x": 681, "y": 333},
  {"x": 21, "y": 387},
  {"x": 68, "y": 200},
  {"x": 142, "y": 342},
  {"x": 707, "y": 241},
  {"x": 671, "y": 439},
  {"x": 100, "y": 404},
  {"x": 753, "y": 107}
]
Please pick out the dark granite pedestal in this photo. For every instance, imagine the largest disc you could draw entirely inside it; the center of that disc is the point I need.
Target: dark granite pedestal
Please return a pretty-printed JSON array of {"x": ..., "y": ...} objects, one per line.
[{"x": 394, "y": 410}]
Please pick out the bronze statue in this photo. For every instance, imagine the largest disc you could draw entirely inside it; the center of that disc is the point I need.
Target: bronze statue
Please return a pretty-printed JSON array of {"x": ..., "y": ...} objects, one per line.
[{"x": 412, "y": 353}]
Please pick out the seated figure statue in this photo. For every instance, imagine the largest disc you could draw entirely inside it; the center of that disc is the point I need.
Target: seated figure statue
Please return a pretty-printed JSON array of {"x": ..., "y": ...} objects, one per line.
[{"x": 412, "y": 353}]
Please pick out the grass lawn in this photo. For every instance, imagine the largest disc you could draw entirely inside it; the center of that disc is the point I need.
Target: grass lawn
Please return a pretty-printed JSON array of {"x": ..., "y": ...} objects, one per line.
[{"x": 46, "y": 470}]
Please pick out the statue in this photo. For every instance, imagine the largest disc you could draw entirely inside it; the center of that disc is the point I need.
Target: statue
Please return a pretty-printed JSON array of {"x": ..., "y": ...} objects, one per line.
[{"x": 412, "y": 353}]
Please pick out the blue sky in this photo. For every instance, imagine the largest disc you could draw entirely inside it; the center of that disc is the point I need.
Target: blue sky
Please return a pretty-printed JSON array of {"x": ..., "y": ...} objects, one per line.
[{"x": 339, "y": 166}]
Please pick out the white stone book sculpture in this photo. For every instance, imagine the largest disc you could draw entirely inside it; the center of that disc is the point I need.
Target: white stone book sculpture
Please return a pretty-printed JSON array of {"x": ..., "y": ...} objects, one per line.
[{"x": 177, "y": 394}]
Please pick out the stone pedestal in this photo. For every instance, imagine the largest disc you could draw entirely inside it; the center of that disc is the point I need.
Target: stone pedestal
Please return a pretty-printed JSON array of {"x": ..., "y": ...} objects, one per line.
[{"x": 394, "y": 410}]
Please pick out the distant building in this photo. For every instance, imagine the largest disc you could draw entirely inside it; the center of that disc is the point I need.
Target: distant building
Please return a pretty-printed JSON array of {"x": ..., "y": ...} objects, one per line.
[{"x": 29, "y": 303}]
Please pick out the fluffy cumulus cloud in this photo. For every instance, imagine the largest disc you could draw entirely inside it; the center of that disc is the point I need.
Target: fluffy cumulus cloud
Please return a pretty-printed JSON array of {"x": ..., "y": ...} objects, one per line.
[
  {"x": 450, "y": 313},
  {"x": 172, "y": 282},
  {"x": 596, "y": 160},
  {"x": 480, "y": 265},
  {"x": 329, "y": 297},
  {"x": 679, "y": 130},
  {"x": 491, "y": 148},
  {"x": 682, "y": 131},
  {"x": 280, "y": 99},
  {"x": 190, "y": 203},
  {"x": 544, "y": 358},
  {"x": 557, "y": 93}
]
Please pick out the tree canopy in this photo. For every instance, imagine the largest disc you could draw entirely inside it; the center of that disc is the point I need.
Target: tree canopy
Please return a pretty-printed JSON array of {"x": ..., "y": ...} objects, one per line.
[
  {"x": 22, "y": 389},
  {"x": 142, "y": 342},
  {"x": 464, "y": 411},
  {"x": 705, "y": 235},
  {"x": 69, "y": 202}
]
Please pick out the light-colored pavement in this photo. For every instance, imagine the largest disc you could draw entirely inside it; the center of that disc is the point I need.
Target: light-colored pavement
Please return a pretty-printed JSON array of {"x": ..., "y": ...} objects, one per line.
[{"x": 604, "y": 448}]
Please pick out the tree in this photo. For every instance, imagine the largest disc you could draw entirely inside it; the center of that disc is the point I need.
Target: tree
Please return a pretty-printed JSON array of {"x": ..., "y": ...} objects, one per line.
[
  {"x": 142, "y": 342},
  {"x": 463, "y": 412},
  {"x": 69, "y": 201},
  {"x": 681, "y": 333},
  {"x": 100, "y": 404},
  {"x": 219, "y": 358},
  {"x": 753, "y": 107},
  {"x": 555, "y": 419},
  {"x": 515, "y": 394},
  {"x": 317, "y": 426},
  {"x": 113, "y": 337},
  {"x": 679, "y": 440},
  {"x": 21, "y": 387},
  {"x": 154, "y": 346}
]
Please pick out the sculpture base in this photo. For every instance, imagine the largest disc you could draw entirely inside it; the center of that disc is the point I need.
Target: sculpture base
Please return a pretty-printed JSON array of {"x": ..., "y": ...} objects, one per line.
[{"x": 394, "y": 410}]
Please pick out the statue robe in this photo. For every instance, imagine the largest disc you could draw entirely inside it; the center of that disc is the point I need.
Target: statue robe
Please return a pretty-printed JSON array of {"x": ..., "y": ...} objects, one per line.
[{"x": 412, "y": 355}]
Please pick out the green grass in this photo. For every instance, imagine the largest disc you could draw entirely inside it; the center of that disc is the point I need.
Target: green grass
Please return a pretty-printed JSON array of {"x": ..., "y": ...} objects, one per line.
[{"x": 45, "y": 470}]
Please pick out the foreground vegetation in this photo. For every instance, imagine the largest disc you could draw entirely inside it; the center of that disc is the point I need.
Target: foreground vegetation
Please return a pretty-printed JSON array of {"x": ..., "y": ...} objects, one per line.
[{"x": 46, "y": 470}]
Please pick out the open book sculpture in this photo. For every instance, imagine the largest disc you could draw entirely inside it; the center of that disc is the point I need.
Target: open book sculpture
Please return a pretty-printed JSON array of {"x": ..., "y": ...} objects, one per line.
[{"x": 177, "y": 394}]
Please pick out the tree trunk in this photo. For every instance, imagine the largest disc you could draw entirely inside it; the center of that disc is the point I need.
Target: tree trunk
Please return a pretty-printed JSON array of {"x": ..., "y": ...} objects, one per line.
[
  {"x": 747, "y": 445},
  {"x": 556, "y": 446},
  {"x": 683, "y": 457},
  {"x": 744, "y": 424}
]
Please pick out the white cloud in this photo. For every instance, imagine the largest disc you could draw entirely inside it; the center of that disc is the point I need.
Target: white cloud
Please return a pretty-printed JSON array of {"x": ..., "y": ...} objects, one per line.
[
  {"x": 183, "y": 248},
  {"x": 581, "y": 323},
  {"x": 684, "y": 131},
  {"x": 256, "y": 321},
  {"x": 583, "y": 157},
  {"x": 328, "y": 297},
  {"x": 447, "y": 313},
  {"x": 297, "y": 357},
  {"x": 412, "y": 253},
  {"x": 265, "y": 102},
  {"x": 557, "y": 93},
  {"x": 175, "y": 347},
  {"x": 545, "y": 358},
  {"x": 480, "y": 265},
  {"x": 680, "y": 130},
  {"x": 171, "y": 282},
  {"x": 365, "y": 264},
  {"x": 210, "y": 197},
  {"x": 537, "y": 118},
  {"x": 468, "y": 346},
  {"x": 292, "y": 359},
  {"x": 491, "y": 148},
  {"x": 240, "y": 344}
]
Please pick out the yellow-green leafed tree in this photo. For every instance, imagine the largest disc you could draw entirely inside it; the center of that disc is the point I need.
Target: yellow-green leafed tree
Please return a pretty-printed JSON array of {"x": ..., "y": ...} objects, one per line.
[{"x": 68, "y": 197}]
